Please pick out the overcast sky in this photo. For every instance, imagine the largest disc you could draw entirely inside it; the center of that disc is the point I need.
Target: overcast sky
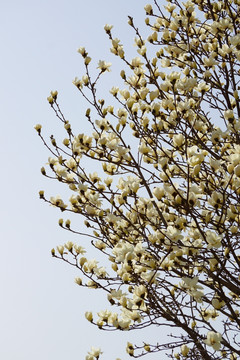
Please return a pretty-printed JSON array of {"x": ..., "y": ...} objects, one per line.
[{"x": 41, "y": 308}]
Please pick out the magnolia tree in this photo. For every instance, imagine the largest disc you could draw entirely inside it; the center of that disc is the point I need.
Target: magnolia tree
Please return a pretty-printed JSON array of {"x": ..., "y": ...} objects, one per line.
[{"x": 163, "y": 208}]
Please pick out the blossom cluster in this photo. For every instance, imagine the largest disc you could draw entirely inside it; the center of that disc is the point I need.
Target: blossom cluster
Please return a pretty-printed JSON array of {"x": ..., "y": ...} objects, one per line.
[{"x": 164, "y": 206}]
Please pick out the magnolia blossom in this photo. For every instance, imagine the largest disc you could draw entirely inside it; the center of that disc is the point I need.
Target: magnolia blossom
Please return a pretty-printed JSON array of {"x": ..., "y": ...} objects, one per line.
[
  {"x": 213, "y": 239},
  {"x": 214, "y": 339},
  {"x": 82, "y": 50},
  {"x": 148, "y": 9},
  {"x": 192, "y": 287},
  {"x": 57, "y": 201},
  {"x": 103, "y": 65},
  {"x": 184, "y": 350},
  {"x": 94, "y": 353},
  {"x": 108, "y": 28}
]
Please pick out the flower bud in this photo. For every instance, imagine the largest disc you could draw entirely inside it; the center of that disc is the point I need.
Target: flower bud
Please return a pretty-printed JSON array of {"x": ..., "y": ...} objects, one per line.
[
  {"x": 87, "y": 60},
  {"x": 237, "y": 170},
  {"x": 82, "y": 51},
  {"x": 43, "y": 171},
  {"x": 147, "y": 347},
  {"x": 82, "y": 261},
  {"x": 60, "y": 249},
  {"x": 122, "y": 74},
  {"x": 54, "y": 94},
  {"x": 38, "y": 128},
  {"x": 148, "y": 9},
  {"x": 184, "y": 350},
  {"x": 41, "y": 194},
  {"x": 50, "y": 100},
  {"x": 78, "y": 281},
  {"x": 89, "y": 316},
  {"x": 67, "y": 223}
]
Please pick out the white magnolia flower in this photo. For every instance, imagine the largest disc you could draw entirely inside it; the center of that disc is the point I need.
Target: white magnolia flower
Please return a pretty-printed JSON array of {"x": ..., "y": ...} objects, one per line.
[
  {"x": 108, "y": 28},
  {"x": 213, "y": 239},
  {"x": 148, "y": 9},
  {"x": 213, "y": 339},
  {"x": 192, "y": 287},
  {"x": 103, "y": 65},
  {"x": 94, "y": 353}
]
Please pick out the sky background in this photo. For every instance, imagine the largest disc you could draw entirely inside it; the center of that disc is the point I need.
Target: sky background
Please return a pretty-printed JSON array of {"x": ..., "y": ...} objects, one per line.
[{"x": 41, "y": 308}]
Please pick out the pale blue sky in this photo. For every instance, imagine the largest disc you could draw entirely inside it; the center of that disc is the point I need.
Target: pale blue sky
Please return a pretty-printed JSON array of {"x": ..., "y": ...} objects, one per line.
[{"x": 41, "y": 309}]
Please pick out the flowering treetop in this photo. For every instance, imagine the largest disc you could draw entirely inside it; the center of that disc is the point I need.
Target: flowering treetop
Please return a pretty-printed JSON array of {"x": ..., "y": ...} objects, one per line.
[{"x": 164, "y": 208}]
